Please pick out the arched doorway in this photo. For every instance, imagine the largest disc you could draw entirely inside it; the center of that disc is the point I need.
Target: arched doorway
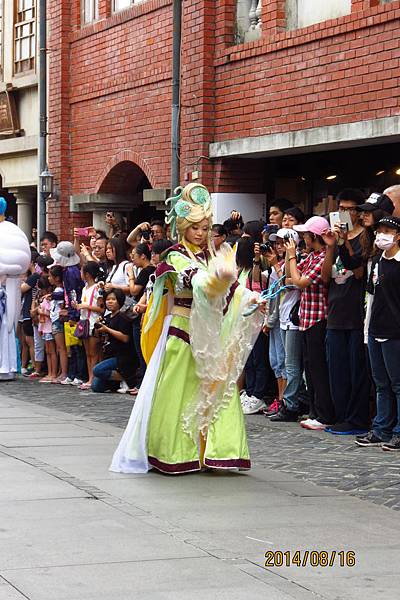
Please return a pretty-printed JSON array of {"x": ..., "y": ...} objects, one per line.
[{"x": 120, "y": 190}]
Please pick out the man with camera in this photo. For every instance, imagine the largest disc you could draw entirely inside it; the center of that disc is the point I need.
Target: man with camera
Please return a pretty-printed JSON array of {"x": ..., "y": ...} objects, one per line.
[{"x": 344, "y": 271}]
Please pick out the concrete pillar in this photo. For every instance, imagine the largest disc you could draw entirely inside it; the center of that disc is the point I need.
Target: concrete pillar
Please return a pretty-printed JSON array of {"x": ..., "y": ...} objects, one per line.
[{"x": 25, "y": 201}]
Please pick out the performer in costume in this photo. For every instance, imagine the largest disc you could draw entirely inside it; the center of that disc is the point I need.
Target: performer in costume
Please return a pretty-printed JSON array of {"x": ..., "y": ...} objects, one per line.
[
  {"x": 196, "y": 341},
  {"x": 15, "y": 256}
]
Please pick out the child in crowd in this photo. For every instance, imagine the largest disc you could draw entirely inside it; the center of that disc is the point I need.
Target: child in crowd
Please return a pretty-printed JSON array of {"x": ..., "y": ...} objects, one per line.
[
  {"x": 45, "y": 329},
  {"x": 90, "y": 308},
  {"x": 57, "y": 313}
]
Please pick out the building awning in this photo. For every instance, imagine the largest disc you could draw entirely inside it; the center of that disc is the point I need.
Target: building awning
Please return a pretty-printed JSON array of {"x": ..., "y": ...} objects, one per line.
[{"x": 332, "y": 137}]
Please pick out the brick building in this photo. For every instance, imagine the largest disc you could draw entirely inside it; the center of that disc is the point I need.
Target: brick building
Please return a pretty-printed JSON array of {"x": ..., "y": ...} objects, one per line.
[{"x": 278, "y": 97}]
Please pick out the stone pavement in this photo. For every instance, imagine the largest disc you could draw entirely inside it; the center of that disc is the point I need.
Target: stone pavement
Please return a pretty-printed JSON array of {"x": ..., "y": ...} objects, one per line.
[
  {"x": 71, "y": 530},
  {"x": 324, "y": 459}
]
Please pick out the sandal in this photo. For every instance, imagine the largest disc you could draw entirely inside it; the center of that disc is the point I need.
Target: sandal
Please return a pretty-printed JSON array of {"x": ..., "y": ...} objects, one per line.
[
  {"x": 134, "y": 391},
  {"x": 85, "y": 386}
]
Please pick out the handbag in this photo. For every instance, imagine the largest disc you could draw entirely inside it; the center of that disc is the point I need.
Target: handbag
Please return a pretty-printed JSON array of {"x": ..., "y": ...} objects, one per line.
[{"x": 82, "y": 329}]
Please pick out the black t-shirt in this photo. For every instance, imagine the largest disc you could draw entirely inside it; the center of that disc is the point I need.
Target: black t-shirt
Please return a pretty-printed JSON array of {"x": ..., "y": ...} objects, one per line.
[
  {"x": 142, "y": 279},
  {"x": 29, "y": 295},
  {"x": 346, "y": 293},
  {"x": 385, "y": 314},
  {"x": 113, "y": 347}
]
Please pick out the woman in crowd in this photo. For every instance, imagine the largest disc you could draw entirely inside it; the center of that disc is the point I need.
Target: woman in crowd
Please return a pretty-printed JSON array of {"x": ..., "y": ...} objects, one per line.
[
  {"x": 188, "y": 412},
  {"x": 384, "y": 337},
  {"x": 219, "y": 235},
  {"x": 141, "y": 259},
  {"x": 248, "y": 259},
  {"x": 117, "y": 277},
  {"x": 313, "y": 312},
  {"x": 118, "y": 348}
]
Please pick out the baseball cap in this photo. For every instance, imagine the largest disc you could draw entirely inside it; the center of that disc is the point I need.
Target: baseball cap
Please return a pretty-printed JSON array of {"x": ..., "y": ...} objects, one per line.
[
  {"x": 392, "y": 222},
  {"x": 317, "y": 225},
  {"x": 281, "y": 233},
  {"x": 377, "y": 201}
]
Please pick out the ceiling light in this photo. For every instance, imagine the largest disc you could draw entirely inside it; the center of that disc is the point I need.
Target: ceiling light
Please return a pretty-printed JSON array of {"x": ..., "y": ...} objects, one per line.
[
  {"x": 330, "y": 177},
  {"x": 379, "y": 173},
  {"x": 302, "y": 178},
  {"x": 398, "y": 172}
]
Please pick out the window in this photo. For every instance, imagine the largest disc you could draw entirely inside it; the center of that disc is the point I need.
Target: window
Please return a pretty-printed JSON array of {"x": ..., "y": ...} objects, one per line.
[
  {"x": 24, "y": 36},
  {"x": 122, "y": 4},
  {"x": 301, "y": 13},
  {"x": 90, "y": 11}
]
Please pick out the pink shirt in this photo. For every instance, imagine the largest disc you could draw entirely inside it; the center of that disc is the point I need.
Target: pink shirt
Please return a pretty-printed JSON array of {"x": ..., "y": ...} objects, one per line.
[{"x": 44, "y": 321}]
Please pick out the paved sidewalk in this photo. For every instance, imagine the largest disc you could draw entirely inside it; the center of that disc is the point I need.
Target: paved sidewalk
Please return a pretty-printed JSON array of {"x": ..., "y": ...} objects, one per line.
[
  {"x": 324, "y": 459},
  {"x": 71, "y": 530}
]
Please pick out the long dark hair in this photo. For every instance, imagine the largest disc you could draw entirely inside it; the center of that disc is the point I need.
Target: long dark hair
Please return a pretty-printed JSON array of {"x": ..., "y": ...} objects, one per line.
[
  {"x": 119, "y": 248},
  {"x": 245, "y": 253}
]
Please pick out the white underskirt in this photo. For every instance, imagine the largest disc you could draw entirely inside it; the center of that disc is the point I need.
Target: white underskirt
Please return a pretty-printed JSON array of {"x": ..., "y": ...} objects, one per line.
[{"x": 131, "y": 454}]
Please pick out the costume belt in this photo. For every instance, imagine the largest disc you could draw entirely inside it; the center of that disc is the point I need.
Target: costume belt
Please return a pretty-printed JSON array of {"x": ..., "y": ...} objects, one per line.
[{"x": 181, "y": 311}]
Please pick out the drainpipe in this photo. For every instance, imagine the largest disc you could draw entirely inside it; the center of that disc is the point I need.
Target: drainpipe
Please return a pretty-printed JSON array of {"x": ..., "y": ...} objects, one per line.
[
  {"x": 41, "y": 209},
  {"x": 176, "y": 85}
]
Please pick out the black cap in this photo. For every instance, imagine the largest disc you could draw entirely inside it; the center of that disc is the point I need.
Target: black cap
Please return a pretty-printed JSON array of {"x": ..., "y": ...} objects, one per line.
[
  {"x": 377, "y": 201},
  {"x": 392, "y": 222}
]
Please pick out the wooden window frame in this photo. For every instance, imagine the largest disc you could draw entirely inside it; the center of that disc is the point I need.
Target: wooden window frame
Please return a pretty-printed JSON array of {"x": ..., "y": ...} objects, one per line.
[{"x": 22, "y": 66}]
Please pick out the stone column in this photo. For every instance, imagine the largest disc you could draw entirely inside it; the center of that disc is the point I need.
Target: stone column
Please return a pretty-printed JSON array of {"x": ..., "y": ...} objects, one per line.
[{"x": 25, "y": 201}]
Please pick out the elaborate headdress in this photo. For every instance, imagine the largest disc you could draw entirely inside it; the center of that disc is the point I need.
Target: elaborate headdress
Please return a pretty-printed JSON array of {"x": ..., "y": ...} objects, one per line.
[{"x": 189, "y": 205}]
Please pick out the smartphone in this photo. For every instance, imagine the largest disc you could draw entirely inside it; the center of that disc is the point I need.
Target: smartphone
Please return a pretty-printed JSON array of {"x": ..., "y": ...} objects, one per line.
[
  {"x": 83, "y": 231},
  {"x": 342, "y": 217}
]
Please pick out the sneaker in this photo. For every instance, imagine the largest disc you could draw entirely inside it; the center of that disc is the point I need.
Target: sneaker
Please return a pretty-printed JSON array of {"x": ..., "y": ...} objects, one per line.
[
  {"x": 253, "y": 406},
  {"x": 313, "y": 425},
  {"x": 368, "y": 441},
  {"x": 272, "y": 409},
  {"x": 123, "y": 388},
  {"x": 244, "y": 399},
  {"x": 26, "y": 372},
  {"x": 76, "y": 382},
  {"x": 393, "y": 445},
  {"x": 284, "y": 415},
  {"x": 345, "y": 429},
  {"x": 66, "y": 381}
]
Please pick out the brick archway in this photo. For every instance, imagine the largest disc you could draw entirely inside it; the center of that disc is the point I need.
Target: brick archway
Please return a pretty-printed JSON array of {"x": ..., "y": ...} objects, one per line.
[{"x": 125, "y": 156}]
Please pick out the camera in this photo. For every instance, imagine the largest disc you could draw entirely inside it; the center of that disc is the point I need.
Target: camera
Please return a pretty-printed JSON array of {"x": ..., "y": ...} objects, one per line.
[
  {"x": 264, "y": 248},
  {"x": 343, "y": 227},
  {"x": 287, "y": 237},
  {"x": 146, "y": 234},
  {"x": 98, "y": 324}
]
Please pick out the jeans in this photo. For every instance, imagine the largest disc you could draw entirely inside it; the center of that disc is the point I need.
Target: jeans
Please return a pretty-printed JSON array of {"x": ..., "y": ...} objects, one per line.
[
  {"x": 277, "y": 352},
  {"x": 256, "y": 368},
  {"x": 102, "y": 375},
  {"x": 321, "y": 405},
  {"x": 295, "y": 391},
  {"x": 348, "y": 376},
  {"x": 76, "y": 363},
  {"x": 385, "y": 365},
  {"x": 136, "y": 341}
]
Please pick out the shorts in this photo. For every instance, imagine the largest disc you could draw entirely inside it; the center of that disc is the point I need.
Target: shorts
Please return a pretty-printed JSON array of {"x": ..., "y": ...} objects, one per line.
[
  {"x": 47, "y": 337},
  {"x": 27, "y": 327},
  {"x": 57, "y": 327}
]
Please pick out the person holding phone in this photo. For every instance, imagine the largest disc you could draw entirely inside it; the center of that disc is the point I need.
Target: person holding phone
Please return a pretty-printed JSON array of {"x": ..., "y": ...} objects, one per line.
[
  {"x": 344, "y": 270},
  {"x": 313, "y": 313}
]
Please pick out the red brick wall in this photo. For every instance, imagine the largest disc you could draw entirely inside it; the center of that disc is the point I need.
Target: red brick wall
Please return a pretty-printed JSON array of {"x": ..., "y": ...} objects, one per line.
[
  {"x": 342, "y": 70},
  {"x": 110, "y": 91}
]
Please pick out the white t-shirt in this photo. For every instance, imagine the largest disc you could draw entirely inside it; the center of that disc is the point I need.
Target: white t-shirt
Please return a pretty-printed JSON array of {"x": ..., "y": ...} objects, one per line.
[
  {"x": 87, "y": 299},
  {"x": 118, "y": 274}
]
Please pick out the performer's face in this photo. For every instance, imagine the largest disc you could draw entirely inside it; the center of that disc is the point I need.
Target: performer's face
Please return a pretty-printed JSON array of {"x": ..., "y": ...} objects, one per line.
[{"x": 197, "y": 233}]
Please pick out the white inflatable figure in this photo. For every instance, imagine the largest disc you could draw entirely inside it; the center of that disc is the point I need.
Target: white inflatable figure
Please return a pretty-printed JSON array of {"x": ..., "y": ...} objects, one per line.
[{"x": 15, "y": 256}]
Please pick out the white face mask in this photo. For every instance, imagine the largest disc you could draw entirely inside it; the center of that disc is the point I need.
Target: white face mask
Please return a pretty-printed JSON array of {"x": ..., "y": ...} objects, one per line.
[{"x": 384, "y": 241}]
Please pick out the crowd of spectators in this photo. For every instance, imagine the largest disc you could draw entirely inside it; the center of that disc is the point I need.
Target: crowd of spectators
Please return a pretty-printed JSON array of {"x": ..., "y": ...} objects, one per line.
[{"x": 328, "y": 355}]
